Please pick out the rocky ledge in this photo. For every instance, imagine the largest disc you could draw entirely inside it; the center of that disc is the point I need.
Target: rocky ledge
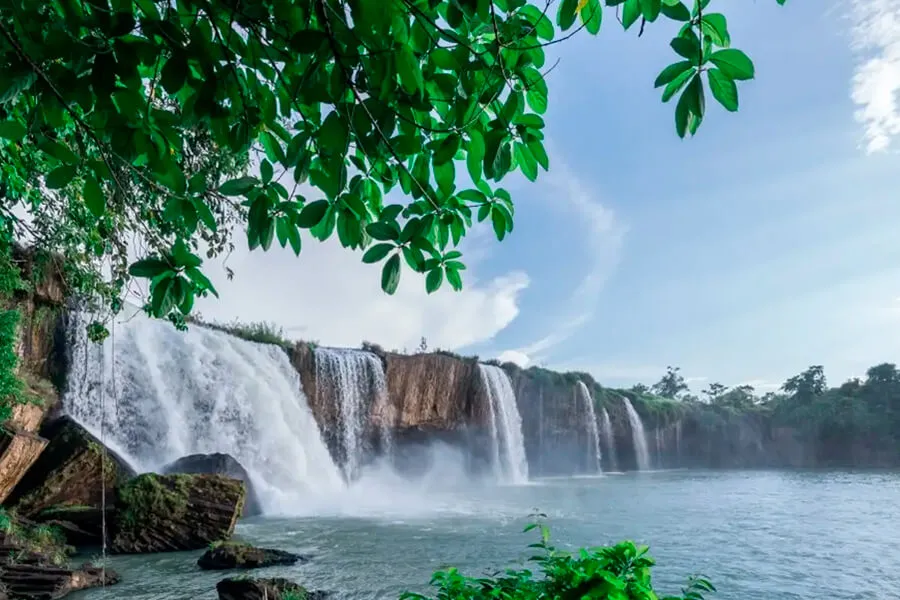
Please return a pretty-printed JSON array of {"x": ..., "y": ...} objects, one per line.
[
  {"x": 239, "y": 588},
  {"x": 165, "y": 513},
  {"x": 235, "y": 555}
]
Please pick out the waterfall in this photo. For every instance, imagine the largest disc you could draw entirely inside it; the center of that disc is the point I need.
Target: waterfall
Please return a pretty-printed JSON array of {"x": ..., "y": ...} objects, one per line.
[
  {"x": 594, "y": 456},
  {"x": 641, "y": 452},
  {"x": 160, "y": 394},
  {"x": 678, "y": 441},
  {"x": 507, "y": 441},
  {"x": 358, "y": 381},
  {"x": 609, "y": 439},
  {"x": 660, "y": 446}
]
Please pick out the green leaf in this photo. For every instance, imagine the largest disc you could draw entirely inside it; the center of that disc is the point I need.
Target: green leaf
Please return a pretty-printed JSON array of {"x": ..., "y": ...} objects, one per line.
[
  {"x": 200, "y": 280},
  {"x": 723, "y": 89},
  {"x": 475, "y": 155},
  {"x": 383, "y": 231},
  {"x": 377, "y": 253},
  {"x": 148, "y": 268},
  {"x": 238, "y": 187},
  {"x": 676, "y": 84},
  {"x": 274, "y": 151},
  {"x": 733, "y": 63},
  {"x": 174, "y": 73},
  {"x": 539, "y": 153},
  {"x": 409, "y": 71},
  {"x": 454, "y": 278},
  {"x": 294, "y": 239},
  {"x": 161, "y": 299},
  {"x": 446, "y": 150},
  {"x": 676, "y": 11},
  {"x": 526, "y": 161},
  {"x": 434, "y": 279},
  {"x": 12, "y": 130},
  {"x": 688, "y": 47},
  {"x": 671, "y": 72},
  {"x": 650, "y": 9},
  {"x": 59, "y": 177},
  {"x": 93, "y": 197},
  {"x": 592, "y": 16},
  {"x": 390, "y": 275},
  {"x": 537, "y": 99},
  {"x": 715, "y": 26},
  {"x": 312, "y": 214},
  {"x": 266, "y": 171},
  {"x": 630, "y": 13},
  {"x": 334, "y": 135},
  {"x": 566, "y": 15},
  {"x": 498, "y": 220}
]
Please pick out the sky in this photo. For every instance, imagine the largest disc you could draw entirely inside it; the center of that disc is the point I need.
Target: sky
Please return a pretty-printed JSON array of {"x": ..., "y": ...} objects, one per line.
[{"x": 766, "y": 244}]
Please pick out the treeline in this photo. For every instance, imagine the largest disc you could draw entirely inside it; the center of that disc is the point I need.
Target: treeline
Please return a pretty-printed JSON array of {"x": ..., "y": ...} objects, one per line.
[{"x": 804, "y": 423}]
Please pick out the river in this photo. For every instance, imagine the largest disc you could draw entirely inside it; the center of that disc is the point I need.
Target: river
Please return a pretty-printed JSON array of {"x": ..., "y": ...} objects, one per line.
[{"x": 758, "y": 535}]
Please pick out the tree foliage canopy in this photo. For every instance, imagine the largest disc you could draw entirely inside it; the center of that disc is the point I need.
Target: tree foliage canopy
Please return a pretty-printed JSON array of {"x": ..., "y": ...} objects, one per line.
[{"x": 127, "y": 126}]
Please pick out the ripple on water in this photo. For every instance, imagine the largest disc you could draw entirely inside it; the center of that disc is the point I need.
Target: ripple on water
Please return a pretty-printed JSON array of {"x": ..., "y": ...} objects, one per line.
[{"x": 759, "y": 535}]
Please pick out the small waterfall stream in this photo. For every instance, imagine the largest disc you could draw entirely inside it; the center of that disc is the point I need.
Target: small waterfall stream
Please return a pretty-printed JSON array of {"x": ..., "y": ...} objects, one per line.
[
  {"x": 161, "y": 394},
  {"x": 357, "y": 378},
  {"x": 638, "y": 435},
  {"x": 609, "y": 439},
  {"x": 594, "y": 455},
  {"x": 507, "y": 441}
]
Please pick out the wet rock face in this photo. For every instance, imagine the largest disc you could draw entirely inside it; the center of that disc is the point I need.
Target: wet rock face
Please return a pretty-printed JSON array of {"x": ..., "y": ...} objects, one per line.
[
  {"x": 69, "y": 471},
  {"x": 166, "y": 513},
  {"x": 264, "y": 589},
  {"x": 234, "y": 555},
  {"x": 221, "y": 464}
]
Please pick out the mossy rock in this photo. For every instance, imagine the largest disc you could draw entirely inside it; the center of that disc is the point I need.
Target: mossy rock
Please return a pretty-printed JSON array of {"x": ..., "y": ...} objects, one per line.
[
  {"x": 165, "y": 513},
  {"x": 241, "y": 588},
  {"x": 221, "y": 464},
  {"x": 81, "y": 525},
  {"x": 235, "y": 555},
  {"x": 69, "y": 471}
]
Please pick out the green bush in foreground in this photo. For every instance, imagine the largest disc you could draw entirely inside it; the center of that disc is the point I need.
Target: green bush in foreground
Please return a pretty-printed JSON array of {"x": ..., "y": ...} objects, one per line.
[{"x": 620, "y": 572}]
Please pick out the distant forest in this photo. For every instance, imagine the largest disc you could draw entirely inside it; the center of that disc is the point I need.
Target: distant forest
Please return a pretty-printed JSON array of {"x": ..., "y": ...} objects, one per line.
[{"x": 806, "y": 421}]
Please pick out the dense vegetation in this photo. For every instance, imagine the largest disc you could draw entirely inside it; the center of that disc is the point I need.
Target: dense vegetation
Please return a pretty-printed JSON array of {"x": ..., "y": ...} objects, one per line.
[
  {"x": 620, "y": 572},
  {"x": 805, "y": 422},
  {"x": 128, "y": 127}
]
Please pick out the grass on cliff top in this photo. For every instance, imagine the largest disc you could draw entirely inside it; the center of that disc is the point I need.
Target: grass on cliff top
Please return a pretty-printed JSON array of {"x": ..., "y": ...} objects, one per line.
[{"x": 261, "y": 332}]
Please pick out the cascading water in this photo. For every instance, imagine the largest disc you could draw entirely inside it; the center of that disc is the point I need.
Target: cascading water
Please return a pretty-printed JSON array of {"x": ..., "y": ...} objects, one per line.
[
  {"x": 165, "y": 394},
  {"x": 660, "y": 446},
  {"x": 594, "y": 456},
  {"x": 358, "y": 381},
  {"x": 638, "y": 436},
  {"x": 609, "y": 439},
  {"x": 507, "y": 441}
]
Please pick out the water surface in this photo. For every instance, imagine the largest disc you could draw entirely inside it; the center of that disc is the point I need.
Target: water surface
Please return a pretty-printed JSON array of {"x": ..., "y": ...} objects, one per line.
[{"x": 757, "y": 535}]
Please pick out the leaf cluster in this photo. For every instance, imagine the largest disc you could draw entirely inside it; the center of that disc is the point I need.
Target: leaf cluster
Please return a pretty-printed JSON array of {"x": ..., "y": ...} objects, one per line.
[
  {"x": 620, "y": 572},
  {"x": 129, "y": 125}
]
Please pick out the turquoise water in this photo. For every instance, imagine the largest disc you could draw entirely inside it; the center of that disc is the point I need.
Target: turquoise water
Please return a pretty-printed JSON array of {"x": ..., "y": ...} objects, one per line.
[{"x": 758, "y": 535}]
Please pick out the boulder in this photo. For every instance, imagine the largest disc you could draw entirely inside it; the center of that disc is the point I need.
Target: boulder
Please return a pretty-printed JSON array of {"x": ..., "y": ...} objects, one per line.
[
  {"x": 18, "y": 453},
  {"x": 234, "y": 555},
  {"x": 240, "y": 588},
  {"x": 41, "y": 582},
  {"x": 164, "y": 513},
  {"x": 221, "y": 464},
  {"x": 69, "y": 471}
]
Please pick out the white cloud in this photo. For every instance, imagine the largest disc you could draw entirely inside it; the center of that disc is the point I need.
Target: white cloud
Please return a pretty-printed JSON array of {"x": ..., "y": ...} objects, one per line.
[
  {"x": 327, "y": 294},
  {"x": 603, "y": 235},
  {"x": 876, "y": 82}
]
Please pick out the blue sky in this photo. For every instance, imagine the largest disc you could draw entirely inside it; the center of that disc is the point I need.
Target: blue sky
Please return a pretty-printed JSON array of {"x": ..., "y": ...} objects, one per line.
[{"x": 763, "y": 245}]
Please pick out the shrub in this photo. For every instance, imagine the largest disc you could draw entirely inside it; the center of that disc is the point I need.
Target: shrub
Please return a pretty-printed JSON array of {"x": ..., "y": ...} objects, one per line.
[{"x": 620, "y": 572}]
